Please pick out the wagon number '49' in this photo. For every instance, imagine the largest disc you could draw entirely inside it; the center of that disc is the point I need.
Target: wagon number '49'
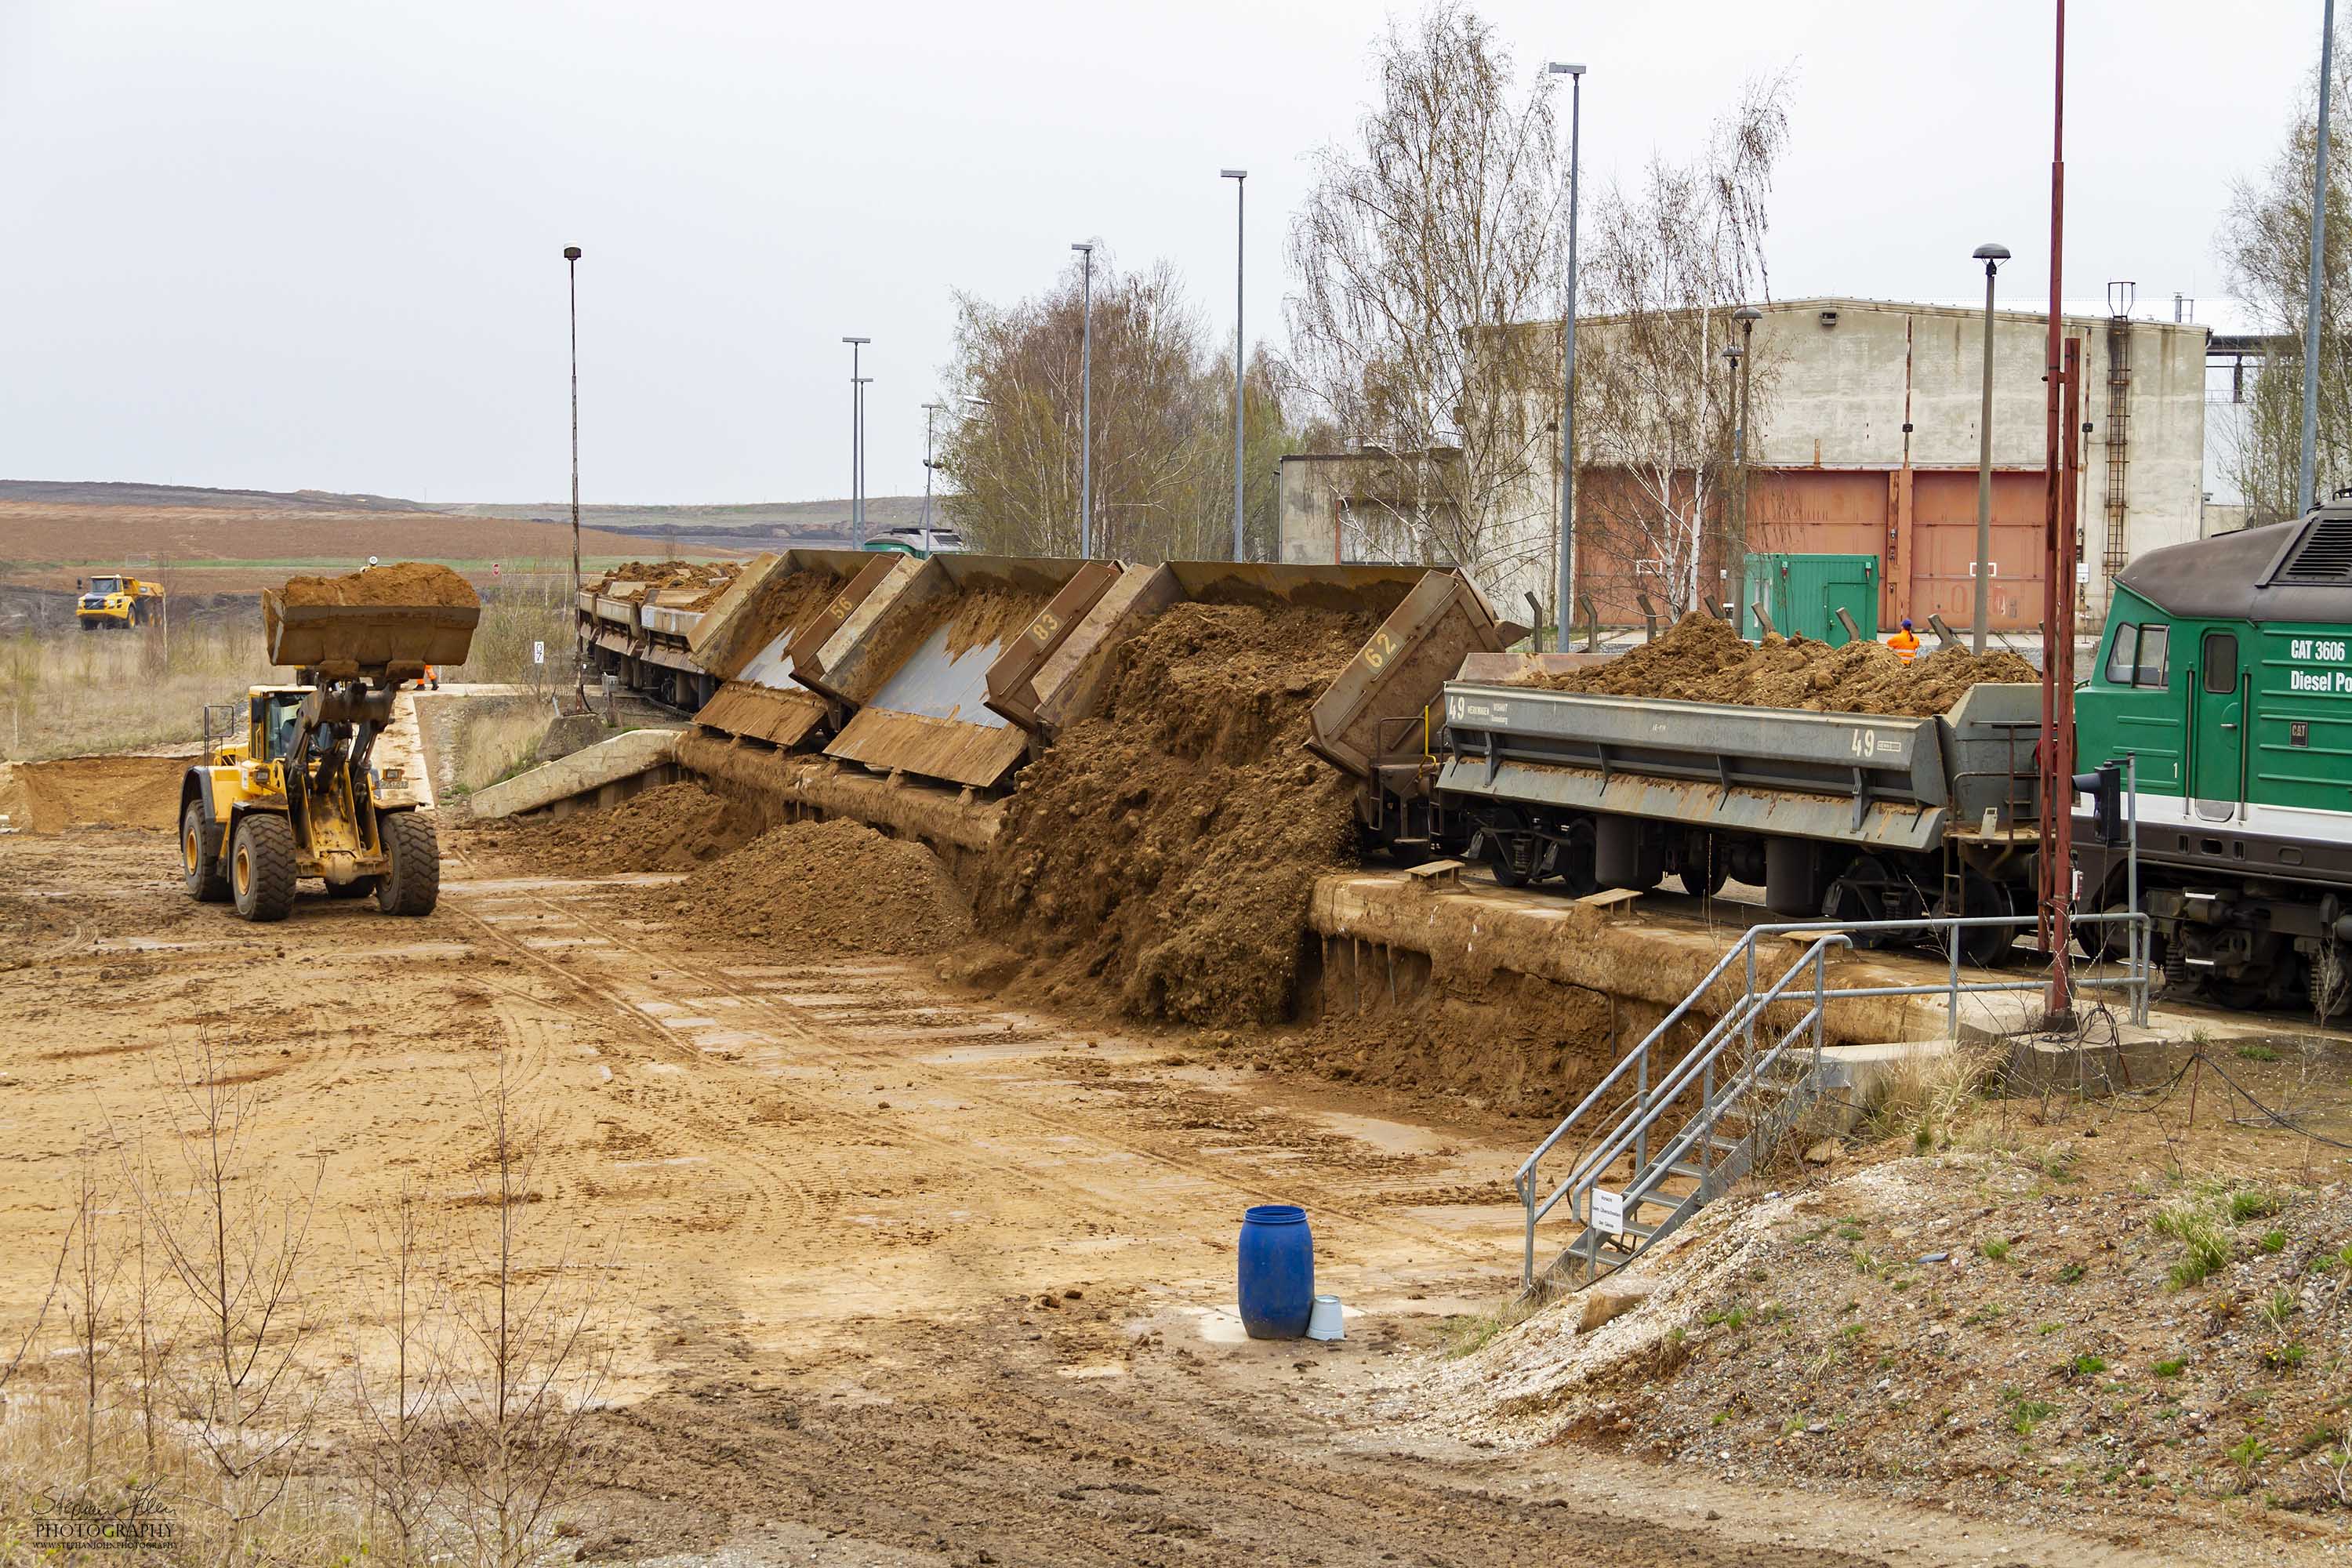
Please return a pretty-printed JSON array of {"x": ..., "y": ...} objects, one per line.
[{"x": 1871, "y": 743}]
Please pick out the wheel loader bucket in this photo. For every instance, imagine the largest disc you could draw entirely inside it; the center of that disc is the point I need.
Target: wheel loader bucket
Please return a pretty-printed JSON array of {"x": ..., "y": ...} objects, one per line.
[{"x": 392, "y": 642}]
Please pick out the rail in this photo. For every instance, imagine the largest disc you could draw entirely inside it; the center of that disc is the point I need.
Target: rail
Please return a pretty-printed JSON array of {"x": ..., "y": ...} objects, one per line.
[{"x": 1750, "y": 1092}]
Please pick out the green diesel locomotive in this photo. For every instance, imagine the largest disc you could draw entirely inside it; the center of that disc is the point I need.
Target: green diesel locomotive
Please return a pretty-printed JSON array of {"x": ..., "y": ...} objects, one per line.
[{"x": 2225, "y": 672}]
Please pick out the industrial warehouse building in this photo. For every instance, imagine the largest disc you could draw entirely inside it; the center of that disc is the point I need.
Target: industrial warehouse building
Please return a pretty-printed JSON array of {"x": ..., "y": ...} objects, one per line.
[{"x": 1867, "y": 444}]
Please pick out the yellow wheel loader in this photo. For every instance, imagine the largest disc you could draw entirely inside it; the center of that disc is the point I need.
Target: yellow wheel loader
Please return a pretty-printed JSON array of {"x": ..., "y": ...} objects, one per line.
[{"x": 291, "y": 793}]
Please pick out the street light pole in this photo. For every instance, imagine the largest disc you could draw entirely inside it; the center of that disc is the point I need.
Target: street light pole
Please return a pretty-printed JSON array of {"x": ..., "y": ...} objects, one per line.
[
  {"x": 932, "y": 411},
  {"x": 1992, "y": 255},
  {"x": 856, "y": 445},
  {"x": 579, "y": 646},
  {"x": 1086, "y": 408},
  {"x": 1747, "y": 316},
  {"x": 1239, "y": 178},
  {"x": 1564, "y": 590},
  {"x": 2307, "y": 484}
]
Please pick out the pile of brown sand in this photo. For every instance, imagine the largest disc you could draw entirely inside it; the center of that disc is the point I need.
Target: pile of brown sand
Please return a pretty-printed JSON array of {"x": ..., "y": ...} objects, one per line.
[
  {"x": 639, "y": 579},
  {"x": 404, "y": 582},
  {"x": 1164, "y": 850},
  {"x": 835, "y": 885},
  {"x": 1702, "y": 659},
  {"x": 92, "y": 792},
  {"x": 671, "y": 827}
]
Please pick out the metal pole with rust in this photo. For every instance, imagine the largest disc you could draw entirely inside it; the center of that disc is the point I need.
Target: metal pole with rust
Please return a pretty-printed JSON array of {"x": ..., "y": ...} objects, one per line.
[{"x": 2057, "y": 588}]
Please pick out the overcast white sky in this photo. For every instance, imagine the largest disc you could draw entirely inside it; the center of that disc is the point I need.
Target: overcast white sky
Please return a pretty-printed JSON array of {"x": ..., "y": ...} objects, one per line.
[{"x": 288, "y": 243}]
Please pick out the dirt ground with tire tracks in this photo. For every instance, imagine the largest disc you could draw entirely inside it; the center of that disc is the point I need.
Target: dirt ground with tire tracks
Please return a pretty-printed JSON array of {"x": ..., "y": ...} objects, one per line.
[{"x": 892, "y": 1273}]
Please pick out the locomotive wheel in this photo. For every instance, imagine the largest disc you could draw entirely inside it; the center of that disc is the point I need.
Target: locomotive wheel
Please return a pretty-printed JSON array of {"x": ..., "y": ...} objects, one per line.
[{"x": 1982, "y": 945}]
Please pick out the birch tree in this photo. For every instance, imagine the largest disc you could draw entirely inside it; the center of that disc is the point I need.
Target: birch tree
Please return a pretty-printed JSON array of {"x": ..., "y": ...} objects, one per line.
[
  {"x": 1673, "y": 255},
  {"x": 1163, "y": 424},
  {"x": 1425, "y": 238},
  {"x": 2266, "y": 245}
]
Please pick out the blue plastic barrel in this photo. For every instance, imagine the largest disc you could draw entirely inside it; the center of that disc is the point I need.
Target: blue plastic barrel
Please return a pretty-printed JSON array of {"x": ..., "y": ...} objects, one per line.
[{"x": 1277, "y": 1271}]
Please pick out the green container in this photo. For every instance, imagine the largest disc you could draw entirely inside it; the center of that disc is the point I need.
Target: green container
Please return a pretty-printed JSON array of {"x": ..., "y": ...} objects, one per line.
[{"x": 1804, "y": 594}]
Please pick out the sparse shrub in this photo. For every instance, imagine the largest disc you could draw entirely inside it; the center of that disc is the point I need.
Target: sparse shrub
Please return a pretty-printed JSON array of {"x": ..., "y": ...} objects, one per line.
[
  {"x": 2205, "y": 1249},
  {"x": 2072, "y": 1272},
  {"x": 2284, "y": 1358},
  {"x": 2273, "y": 1241},
  {"x": 2171, "y": 1367},
  {"x": 2257, "y": 1053},
  {"x": 1995, "y": 1250},
  {"x": 2025, "y": 1414}
]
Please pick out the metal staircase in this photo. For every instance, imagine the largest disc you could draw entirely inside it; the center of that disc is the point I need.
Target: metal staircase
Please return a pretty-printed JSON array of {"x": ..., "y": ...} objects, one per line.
[
  {"x": 1672, "y": 1146},
  {"x": 1652, "y": 1148}
]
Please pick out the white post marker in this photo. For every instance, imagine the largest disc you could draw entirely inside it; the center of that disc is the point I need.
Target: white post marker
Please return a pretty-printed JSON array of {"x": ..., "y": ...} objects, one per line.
[
  {"x": 538, "y": 653},
  {"x": 1608, "y": 1212}
]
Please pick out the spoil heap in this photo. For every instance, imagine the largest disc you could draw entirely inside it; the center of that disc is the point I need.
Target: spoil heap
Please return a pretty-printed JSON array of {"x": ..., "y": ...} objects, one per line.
[
  {"x": 1702, "y": 659},
  {"x": 835, "y": 885},
  {"x": 1166, "y": 849},
  {"x": 404, "y": 583},
  {"x": 706, "y": 580},
  {"x": 671, "y": 827}
]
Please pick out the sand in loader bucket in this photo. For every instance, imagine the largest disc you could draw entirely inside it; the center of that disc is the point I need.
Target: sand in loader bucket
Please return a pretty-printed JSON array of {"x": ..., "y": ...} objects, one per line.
[{"x": 391, "y": 621}]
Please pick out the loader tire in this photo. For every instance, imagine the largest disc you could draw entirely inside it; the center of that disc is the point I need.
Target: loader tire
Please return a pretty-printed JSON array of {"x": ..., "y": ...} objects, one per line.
[
  {"x": 200, "y": 864},
  {"x": 413, "y": 885},
  {"x": 261, "y": 866}
]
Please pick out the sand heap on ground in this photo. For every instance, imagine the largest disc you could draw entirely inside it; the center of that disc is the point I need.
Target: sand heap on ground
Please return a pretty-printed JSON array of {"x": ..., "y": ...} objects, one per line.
[
  {"x": 835, "y": 885},
  {"x": 404, "y": 582},
  {"x": 671, "y": 827},
  {"x": 1165, "y": 849},
  {"x": 92, "y": 792},
  {"x": 1702, "y": 659},
  {"x": 706, "y": 580}
]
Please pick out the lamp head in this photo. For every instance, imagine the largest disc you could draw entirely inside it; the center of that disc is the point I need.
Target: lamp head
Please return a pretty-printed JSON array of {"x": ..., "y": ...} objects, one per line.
[
  {"x": 1747, "y": 316},
  {"x": 1087, "y": 246},
  {"x": 1562, "y": 67},
  {"x": 1233, "y": 173},
  {"x": 857, "y": 340},
  {"x": 571, "y": 253},
  {"x": 1992, "y": 255}
]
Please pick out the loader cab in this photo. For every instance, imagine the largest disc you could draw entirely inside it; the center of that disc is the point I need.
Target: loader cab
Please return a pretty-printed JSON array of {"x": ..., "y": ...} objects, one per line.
[
  {"x": 275, "y": 713},
  {"x": 105, "y": 585}
]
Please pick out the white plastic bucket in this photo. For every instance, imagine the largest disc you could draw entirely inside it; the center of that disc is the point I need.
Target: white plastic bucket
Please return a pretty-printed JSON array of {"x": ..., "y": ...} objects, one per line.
[{"x": 1324, "y": 1322}]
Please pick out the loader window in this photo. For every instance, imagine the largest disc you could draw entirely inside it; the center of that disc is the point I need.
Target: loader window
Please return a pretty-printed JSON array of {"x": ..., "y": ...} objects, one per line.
[
  {"x": 106, "y": 585},
  {"x": 279, "y": 714}
]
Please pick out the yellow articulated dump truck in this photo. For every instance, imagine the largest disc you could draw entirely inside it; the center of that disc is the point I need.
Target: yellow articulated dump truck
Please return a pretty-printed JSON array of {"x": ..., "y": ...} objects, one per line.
[
  {"x": 291, "y": 793},
  {"x": 118, "y": 601}
]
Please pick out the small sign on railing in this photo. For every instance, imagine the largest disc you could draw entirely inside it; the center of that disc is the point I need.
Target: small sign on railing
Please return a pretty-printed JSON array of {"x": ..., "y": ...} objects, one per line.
[{"x": 1608, "y": 1212}]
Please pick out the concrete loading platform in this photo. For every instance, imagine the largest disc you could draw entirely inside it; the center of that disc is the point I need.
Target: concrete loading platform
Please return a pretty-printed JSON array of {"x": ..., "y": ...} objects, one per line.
[{"x": 1386, "y": 935}]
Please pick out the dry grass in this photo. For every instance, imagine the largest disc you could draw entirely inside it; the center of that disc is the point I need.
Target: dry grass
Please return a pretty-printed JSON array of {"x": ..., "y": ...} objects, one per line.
[
  {"x": 499, "y": 742},
  {"x": 74, "y": 693},
  {"x": 1921, "y": 1096}
]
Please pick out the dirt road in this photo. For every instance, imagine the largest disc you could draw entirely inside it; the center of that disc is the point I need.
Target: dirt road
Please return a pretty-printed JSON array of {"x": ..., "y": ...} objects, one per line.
[{"x": 892, "y": 1275}]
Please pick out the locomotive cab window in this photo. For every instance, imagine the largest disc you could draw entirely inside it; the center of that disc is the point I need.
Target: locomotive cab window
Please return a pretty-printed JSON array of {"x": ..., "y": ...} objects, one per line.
[
  {"x": 2220, "y": 662},
  {"x": 2137, "y": 655}
]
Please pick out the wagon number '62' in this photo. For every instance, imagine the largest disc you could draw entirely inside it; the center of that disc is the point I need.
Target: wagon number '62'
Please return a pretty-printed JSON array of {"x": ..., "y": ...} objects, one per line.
[{"x": 1871, "y": 743}]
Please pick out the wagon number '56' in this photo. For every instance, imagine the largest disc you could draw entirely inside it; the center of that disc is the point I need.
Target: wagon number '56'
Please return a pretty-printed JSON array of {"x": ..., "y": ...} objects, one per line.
[{"x": 1871, "y": 743}]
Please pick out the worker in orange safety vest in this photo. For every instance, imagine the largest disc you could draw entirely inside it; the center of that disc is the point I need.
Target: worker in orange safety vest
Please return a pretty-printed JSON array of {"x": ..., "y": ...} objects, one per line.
[{"x": 1906, "y": 643}]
